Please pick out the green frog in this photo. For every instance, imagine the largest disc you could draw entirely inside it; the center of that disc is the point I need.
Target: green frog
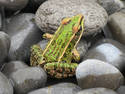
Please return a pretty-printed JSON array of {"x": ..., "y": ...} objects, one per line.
[{"x": 56, "y": 59}]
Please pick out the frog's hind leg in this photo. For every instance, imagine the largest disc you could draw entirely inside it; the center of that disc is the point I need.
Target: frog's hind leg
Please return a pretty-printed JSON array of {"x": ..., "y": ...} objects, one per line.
[
  {"x": 47, "y": 36},
  {"x": 60, "y": 69},
  {"x": 36, "y": 57}
]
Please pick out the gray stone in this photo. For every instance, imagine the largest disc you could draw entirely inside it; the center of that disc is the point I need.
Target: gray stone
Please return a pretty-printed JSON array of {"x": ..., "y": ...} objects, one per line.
[
  {"x": 121, "y": 90},
  {"x": 39, "y": 2},
  {"x": 28, "y": 79},
  {"x": 111, "y": 6},
  {"x": 50, "y": 14},
  {"x": 93, "y": 73},
  {"x": 13, "y": 4},
  {"x": 116, "y": 24},
  {"x": 110, "y": 51},
  {"x": 97, "y": 91},
  {"x": 24, "y": 33},
  {"x": 61, "y": 88},
  {"x": 5, "y": 85},
  {"x": 10, "y": 67},
  {"x": 4, "y": 46}
]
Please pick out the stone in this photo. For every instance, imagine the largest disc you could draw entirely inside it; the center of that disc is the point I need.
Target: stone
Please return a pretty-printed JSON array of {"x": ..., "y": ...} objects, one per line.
[
  {"x": 51, "y": 12},
  {"x": 116, "y": 24},
  {"x": 28, "y": 79},
  {"x": 93, "y": 73},
  {"x": 121, "y": 90},
  {"x": 5, "y": 85},
  {"x": 12, "y": 66},
  {"x": 61, "y": 88},
  {"x": 110, "y": 51},
  {"x": 24, "y": 33},
  {"x": 97, "y": 91},
  {"x": 13, "y": 4},
  {"x": 4, "y": 46},
  {"x": 111, "y": 6}
]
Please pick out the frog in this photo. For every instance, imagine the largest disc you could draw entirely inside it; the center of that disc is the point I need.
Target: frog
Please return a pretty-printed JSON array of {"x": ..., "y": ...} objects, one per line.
[{"x": 60, "y": 52}]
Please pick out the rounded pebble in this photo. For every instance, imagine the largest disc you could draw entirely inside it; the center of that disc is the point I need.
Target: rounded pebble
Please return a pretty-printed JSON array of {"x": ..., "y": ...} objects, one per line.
[
  {"x": 28, "y": 79},
  {"x": 97, "y": 91},
  {"x": 50, "y": 14},
  {"x": 93, "y": 73},
  {"x": 5, "y": 85}
]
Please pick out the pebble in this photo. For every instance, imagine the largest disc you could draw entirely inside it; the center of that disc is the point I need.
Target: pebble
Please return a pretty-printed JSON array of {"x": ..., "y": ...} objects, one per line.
[
  {"x": 93, "y": 73},
  {"x": 116, "y": 24},
  {"x": 4, "y": 46},
  {"x": 13, "y": 4},
  {"x": 12, "y": 66},
  {"x": 24, "y": 33},
  {"x": 50, "y": 13},
  {"x": 28, "y": 79},
  {"x": 5, "y": 85},
  {"x": 110, "y": 51},
  {"x": 97, "y": 91},
  {"x": 121, "y": 90},
  {"x": 111, "y": 6},
  {"x": 60, "y": 88}
]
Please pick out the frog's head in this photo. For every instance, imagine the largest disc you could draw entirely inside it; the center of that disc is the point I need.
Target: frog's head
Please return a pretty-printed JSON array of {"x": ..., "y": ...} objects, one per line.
[{"x": 75, "y": 22}]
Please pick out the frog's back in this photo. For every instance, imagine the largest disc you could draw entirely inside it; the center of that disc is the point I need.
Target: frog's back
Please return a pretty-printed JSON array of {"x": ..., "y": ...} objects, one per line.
[{"x": 61, "y": 41}]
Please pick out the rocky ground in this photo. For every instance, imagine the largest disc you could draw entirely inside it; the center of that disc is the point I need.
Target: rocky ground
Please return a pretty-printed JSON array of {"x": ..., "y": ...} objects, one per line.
[{"x": 101, "y": 69}]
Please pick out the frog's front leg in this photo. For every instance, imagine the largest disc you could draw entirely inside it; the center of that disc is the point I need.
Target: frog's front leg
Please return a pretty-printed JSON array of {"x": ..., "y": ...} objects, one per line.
[
  {"x": 76, "y": 55},
  {"x": 47, "y": 36},
  {"x": 36, "y": 57},
  {"x": 60, "y": 69}
]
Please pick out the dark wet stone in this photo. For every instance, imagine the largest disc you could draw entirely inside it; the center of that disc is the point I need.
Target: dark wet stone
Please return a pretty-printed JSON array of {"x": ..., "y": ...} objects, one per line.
[
  {"x": 97, "y": 91},
  {"x": 93, "y": 73},
  {"x": 28, "y": 79},
  {"x": 10, "y": 67},
  {"x": 110, "y": 51},
  {"x": 4, "y": 46},
  {"x": 13, "y": 4},
  {"x": 116, "y": 24},
  {"x": 5, "y": 85},
  {"x": 24, "y": 33},
  {"x": 121, "y": 90},
  {"x": 61, "y": 88}
]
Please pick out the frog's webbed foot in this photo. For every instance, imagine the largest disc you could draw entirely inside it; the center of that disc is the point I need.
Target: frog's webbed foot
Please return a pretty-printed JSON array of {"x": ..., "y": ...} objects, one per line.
[
  {"x": 76, "y": 55},
  {"x": 60, "y": 69},
  {"x": 47, "y": 36},
  {"x": 36, "y": 57}
]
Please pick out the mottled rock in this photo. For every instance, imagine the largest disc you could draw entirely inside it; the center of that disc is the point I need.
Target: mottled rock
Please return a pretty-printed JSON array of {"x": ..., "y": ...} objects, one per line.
[
  {"x": 93, "y": 73},
  {"x": 5, "y": 85},
  {"x": 116, "y": 24},
  {"x": 13, "y": 4},
  {"x": 121, "y": 90},
  {"x": 61, "y": 88},
  {"x": 4, "y": 46},
  {"x": 50, "y": 14},
  {"x": 28, "y": 79},
  {"x": 10, "y": 67},
  {"x": 97, "y": 91},
  {"x": 24, "y": 33},
  {"x": 110, "y": 51}
]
